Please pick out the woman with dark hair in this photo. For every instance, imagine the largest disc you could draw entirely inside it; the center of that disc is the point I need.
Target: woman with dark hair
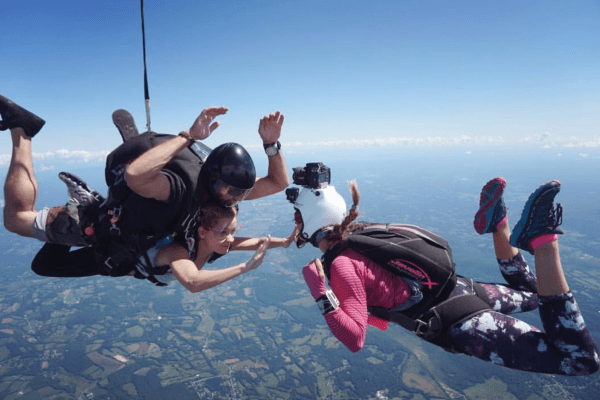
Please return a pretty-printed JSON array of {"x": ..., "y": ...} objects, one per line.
[
  {"x": 165, "y": 263},
  {"x": 216, "y": 237},
  {"x": 416, "y": 287}
]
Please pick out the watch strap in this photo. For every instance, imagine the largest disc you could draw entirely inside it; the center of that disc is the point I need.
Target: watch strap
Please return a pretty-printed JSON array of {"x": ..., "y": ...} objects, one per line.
[
  {"x": 186, "y": 135},
  {"x": 267, "y": 145}
]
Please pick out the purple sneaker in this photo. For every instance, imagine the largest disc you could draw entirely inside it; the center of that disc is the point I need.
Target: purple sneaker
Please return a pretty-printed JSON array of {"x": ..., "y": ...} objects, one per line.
[
  {"x": 539, "y": 217},
  {"x": 15, "y": 116},
  {"x": 491, "y": 207}
]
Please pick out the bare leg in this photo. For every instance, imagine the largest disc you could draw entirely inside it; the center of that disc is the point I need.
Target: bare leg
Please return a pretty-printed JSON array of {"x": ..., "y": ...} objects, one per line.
[
  {"x": 550, "y": 277},
  {"x": 20, "y": 187},
  {"x": 502, "y": 245}
]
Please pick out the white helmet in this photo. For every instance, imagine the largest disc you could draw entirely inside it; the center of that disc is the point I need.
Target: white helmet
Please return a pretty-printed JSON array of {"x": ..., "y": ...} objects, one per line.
[{"x": 319, "y": 208}]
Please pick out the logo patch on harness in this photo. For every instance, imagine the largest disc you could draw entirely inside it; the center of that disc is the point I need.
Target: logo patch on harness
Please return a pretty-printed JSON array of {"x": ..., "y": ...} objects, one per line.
[{"x": 414, "y": 271}]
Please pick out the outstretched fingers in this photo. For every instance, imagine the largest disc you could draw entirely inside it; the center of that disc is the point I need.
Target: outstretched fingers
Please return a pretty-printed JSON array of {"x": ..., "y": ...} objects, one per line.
[
  {"x": 290, "y": 239},
  {"x": 258, "y": 256},
  {"x": 269, "y": 127},
  {"x": 203, "y": 126}
]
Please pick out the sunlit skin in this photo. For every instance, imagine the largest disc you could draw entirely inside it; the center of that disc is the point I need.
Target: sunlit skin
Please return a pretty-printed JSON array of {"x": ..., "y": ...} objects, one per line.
[
  {"x": 144, "y": 178},
  {"x": 219, "y": 239}
]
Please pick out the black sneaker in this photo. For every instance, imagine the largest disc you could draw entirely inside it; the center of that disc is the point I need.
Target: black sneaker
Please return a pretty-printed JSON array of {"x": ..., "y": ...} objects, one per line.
[
  {"x": 124, "y": 122},
  {"x": 15, "y": 116},
  {"x": 79, "y": 191},
  {"x": 539, "y": 217}
]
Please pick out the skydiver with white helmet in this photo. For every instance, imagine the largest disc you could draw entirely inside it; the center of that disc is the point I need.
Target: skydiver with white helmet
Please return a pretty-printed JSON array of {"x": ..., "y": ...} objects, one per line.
[{"x": 379, "y": 272}]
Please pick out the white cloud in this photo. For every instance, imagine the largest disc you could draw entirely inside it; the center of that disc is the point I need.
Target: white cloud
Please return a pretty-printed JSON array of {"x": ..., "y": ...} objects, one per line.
[
  {"x": 545, "y": 141},
  {"x": 63, "y": 154},
  {"x": 399, "y": 141},
  {"x": 549, "y": 141}
]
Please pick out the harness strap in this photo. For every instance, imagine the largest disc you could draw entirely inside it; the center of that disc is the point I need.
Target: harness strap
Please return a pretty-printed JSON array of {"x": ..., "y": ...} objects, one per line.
[
  {"x": 148, "y": 272},
  {"x": 114, "y": 259},
  {"x": 119, "y": 256},
  {"x": 435, "y": 323}
]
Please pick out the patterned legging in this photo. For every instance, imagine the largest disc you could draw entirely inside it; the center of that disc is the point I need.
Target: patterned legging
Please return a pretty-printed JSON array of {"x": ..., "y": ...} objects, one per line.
[{"x": 565, "y": 347}]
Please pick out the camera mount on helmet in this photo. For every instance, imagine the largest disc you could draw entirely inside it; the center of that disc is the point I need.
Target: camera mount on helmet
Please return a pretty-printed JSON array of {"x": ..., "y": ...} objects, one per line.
[
  {"x": 313, "y": 175},
  {"x": 317, "y": 204}
]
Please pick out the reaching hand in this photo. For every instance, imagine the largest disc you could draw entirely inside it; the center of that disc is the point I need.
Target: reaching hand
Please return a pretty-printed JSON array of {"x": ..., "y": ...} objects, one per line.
[
  {"x": 315, "y": 278},
  {"x": 202, "y": 127},
  {"x": 258, "y": 256},
  {"x": 290, "y": 239},
  {"x": 269, "y": 128}
]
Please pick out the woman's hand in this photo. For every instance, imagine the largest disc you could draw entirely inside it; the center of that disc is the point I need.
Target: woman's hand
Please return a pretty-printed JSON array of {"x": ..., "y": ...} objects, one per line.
[
  {"x": 315, "y": 278},
  {"x": 202, "y": 127},
  {"x": 290, "y": 239},
  {"x": 258, "y": 256}
]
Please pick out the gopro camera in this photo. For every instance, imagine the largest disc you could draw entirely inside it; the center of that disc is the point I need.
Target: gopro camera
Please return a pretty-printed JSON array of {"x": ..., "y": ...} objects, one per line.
[
  {"x": 292, "y": 194},
  {"x": 312, "y": 175}
]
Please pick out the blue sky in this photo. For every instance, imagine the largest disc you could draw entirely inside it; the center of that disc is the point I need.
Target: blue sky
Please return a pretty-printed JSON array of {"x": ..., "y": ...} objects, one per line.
[{"x": 387, "y": 72}]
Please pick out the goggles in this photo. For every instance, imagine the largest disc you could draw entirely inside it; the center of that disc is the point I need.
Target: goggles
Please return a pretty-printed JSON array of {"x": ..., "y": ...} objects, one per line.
[
  {"x": 229, "y": 195},
  {"x": 320, "y": 235}
]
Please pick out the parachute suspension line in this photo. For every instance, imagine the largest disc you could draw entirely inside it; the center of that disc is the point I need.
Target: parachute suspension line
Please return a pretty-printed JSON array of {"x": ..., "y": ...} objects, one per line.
[{"x": 146, "y": 92}]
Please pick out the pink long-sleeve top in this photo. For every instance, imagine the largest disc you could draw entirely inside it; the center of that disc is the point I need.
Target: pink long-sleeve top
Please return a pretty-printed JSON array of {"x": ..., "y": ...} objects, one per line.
[{"x": 357, "y": 283}]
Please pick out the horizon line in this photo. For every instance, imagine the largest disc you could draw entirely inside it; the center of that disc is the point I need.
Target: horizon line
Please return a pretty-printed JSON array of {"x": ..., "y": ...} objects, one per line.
[{"x": 543, "y": 141}]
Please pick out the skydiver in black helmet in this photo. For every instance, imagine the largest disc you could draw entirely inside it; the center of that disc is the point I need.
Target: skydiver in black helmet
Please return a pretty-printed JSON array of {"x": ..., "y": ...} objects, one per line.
[{"x": 158, "y": 192}]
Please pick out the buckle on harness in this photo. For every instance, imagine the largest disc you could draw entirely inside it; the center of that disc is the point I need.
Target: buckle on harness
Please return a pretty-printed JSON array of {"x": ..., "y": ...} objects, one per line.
[
  {"x": 422, "y": 328},
  {"x": 107, "y": 262},
  {"x": 115, "y": 214},
  {"x": 428, "y": 330}
]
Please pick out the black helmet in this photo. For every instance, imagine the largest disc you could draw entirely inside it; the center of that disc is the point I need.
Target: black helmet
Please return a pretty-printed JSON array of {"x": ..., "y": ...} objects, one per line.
[{"x": 228, "y": 174}]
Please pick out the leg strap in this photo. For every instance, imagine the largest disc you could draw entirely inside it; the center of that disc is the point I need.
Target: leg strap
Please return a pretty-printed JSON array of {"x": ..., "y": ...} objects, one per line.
[{"x": 434, "y": 325}]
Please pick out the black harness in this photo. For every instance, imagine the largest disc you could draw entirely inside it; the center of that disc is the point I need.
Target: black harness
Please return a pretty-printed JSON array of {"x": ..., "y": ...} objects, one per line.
[
  {"x": 119, "y": 247},
  {"x": 414, "y": 253}
]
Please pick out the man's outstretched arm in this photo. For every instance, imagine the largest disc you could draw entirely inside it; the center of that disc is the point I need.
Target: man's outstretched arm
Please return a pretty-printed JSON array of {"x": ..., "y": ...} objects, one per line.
[
  {"x": 277, "y": 178},
  {"x": 143, "y": 174}
]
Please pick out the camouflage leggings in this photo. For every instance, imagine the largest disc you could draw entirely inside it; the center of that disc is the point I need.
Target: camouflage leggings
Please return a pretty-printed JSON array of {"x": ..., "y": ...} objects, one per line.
[{"x": 565, "y": 347}]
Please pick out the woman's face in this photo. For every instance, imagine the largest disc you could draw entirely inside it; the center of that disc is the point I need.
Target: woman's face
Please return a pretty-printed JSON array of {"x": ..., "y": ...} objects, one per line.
[{"x": 219, "y": 238}]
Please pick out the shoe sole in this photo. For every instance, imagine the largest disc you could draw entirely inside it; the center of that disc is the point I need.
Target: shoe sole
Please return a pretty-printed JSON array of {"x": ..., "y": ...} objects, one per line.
[
  {"x": 124, "y": 122},
  {"x": 64, "y": 176},
  {"x": 520, "y": 231},
  {"x": 32, "y": 124},
  {"x": 484, "y": 216}
]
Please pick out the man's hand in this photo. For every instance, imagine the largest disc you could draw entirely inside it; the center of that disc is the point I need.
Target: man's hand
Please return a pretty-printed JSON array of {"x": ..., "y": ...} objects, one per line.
[
  {"x": 202, "y": 127},
  {"x": 269, "y": 128}
]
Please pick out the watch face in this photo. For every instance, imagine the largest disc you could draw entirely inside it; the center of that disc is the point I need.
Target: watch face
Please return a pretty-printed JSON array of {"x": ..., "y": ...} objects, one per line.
[{"x": 272, "y": 150}]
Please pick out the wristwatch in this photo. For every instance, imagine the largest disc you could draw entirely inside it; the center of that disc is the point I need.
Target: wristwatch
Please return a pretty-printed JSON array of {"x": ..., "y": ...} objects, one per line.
[
  {"x": 328, "y": 302},
  {"x": 272, "y": 148}
]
